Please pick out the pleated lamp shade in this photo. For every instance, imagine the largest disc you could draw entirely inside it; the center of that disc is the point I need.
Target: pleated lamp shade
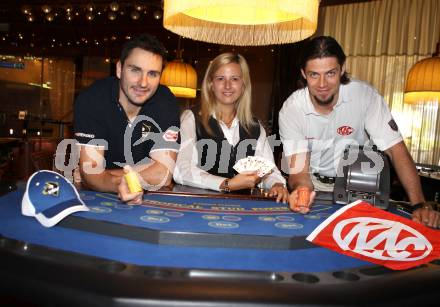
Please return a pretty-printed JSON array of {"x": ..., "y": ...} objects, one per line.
[
  {"x": 423, "y": 81},
  {"x": 181, "y": 79},
  {"x": 242, "y": 22}
]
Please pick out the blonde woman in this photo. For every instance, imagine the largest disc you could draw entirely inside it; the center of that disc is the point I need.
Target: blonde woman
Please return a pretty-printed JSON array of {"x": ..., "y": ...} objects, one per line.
[{"x": 222, "y": 130}]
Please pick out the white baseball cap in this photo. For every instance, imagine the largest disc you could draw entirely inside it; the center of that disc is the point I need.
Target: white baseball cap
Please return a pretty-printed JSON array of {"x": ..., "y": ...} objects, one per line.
[{"x": 50, "y": 197}]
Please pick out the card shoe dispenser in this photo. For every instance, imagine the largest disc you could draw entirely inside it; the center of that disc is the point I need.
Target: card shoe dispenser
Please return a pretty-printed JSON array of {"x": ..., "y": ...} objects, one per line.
[{"x": 363, "y": 179}]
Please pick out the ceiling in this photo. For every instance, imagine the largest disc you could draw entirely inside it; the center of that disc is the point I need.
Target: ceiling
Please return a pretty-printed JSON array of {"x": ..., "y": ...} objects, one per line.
[{"x": 81, "y": 37}]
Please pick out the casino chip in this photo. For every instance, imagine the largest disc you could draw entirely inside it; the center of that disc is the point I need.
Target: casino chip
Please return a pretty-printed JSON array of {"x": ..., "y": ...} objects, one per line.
[
  {"x": 174, "y": 214},
  {"x": 231, "y": 218},
  {"x": 312, "y": 216},
  {"x": 223, "y": 225},
  {"x": 100, "y": 210},
  {"x": 267, "y": 218},
  {"x": 154, "y": 219},
  {"x": 289, "y": 225},
  {"x": 153, "y": 211},
  {"x": 285, "y": 218},
  {"x": 324, "y": 215},
  {"x": 210, "y": 217},
  {"x": 123, "y": 207},
  {"x": 108, "y": 203}
]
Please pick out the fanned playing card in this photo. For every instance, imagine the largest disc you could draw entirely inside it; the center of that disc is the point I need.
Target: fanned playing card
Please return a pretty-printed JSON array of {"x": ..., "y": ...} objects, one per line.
[{"x": 254, "y": 164}]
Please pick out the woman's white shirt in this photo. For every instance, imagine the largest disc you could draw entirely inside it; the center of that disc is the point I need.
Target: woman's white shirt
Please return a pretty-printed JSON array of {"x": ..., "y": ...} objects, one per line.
[{"x": 187, "y": 171}]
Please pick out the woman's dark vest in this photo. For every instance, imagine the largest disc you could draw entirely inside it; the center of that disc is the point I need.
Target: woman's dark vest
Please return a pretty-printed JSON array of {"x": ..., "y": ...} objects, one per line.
[{"x": 226, "y": 155}]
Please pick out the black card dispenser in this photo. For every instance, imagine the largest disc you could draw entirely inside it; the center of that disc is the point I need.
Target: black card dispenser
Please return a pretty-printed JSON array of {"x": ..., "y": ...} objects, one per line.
[{"x": 364, "y": 174}]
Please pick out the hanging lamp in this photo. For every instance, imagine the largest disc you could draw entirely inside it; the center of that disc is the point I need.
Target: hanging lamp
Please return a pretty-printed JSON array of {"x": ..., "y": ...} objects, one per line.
[
  {"x": 242, "y": 23},
  {"x": 180, "y": 77},
  {"x": 423, "y": 81}
]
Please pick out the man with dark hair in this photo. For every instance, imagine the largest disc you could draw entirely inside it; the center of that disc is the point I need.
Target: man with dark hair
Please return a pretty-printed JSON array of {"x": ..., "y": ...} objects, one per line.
[
  {"x": 128, "y": 120},
  {"x": 318, "y": 121}
]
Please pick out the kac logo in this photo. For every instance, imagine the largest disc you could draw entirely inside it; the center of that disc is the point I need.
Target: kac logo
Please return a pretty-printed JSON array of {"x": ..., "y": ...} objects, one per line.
[
  {"x": 381, "y": 239},
  {"x": 345, "y": 130}
]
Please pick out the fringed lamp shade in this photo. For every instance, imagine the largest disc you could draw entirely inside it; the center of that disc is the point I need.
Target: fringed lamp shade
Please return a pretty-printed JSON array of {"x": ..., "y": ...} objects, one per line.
[
  {"x": 181, "y": 79},
  {"x": 242, "y": 22},
  {"x": 423, "y": 82}
]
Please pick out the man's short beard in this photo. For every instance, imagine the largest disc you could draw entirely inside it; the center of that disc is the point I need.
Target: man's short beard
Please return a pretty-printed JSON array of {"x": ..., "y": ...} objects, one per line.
[
  {"x": 133, "y": 102},
  {"x": 324, "y": 102},
  {"x": 136, "y": 103}
]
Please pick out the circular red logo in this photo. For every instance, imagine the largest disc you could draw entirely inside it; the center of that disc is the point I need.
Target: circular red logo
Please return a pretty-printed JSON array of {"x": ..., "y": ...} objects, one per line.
[{"x": 345, "y": 130}]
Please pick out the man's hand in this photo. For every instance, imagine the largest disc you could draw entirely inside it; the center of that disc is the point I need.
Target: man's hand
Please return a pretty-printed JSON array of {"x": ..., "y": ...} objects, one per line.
[
  {"x": 298, "y": 201},
  {"x": 299, "y": 179},
  {"x": 427, "y": 216},
  {"x": 124, "y": 193},
  {"x": 279, "y": 191}
]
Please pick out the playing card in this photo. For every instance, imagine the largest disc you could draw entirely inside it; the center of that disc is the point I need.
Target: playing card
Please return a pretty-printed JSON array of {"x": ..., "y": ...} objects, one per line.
[{"x": 254, "y": 164}]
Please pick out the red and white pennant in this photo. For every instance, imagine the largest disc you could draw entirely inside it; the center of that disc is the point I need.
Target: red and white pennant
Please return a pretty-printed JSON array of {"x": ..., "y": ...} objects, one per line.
[{"x": 371, "y": 234}]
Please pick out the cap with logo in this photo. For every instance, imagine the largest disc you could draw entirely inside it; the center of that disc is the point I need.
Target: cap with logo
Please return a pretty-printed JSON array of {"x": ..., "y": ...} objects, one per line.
[{"x": 50, "y": 197}]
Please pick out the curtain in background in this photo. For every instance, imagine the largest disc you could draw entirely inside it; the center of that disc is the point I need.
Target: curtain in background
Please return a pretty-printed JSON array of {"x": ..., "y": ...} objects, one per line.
[{"x": 382, "y": 41}]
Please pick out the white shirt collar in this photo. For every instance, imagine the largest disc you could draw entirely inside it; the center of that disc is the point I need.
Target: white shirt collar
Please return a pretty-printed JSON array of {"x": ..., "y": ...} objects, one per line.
[{"x": 233, "y": 124}]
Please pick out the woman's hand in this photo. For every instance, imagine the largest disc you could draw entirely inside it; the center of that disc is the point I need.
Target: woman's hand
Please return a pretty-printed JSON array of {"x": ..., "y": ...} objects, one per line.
[
  {"x": 244, "y": 181},
  {"x": 279, "y": 191}
]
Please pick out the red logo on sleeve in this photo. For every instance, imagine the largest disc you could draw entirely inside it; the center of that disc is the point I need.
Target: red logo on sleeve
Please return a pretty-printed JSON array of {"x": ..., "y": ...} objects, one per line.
[
  {"x": 345, "y": 130},
  {"x": 170, "y": 135}
]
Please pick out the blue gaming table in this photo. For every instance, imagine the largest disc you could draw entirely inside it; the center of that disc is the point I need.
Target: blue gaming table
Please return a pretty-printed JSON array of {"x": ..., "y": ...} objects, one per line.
[{"x": 177, "y": 248}]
